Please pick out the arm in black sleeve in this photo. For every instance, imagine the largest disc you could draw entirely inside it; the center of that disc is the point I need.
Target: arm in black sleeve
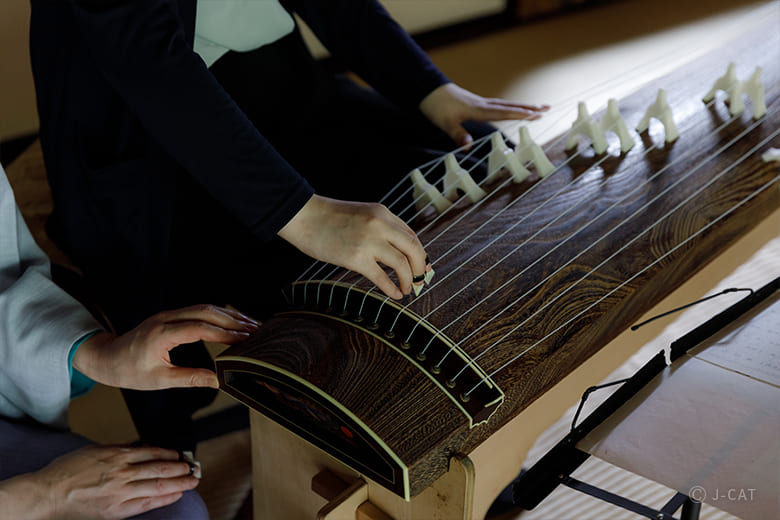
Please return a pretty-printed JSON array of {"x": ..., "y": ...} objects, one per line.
[
  {"x": 140, "y": 47},
  {"x": 365, "y": 37}
]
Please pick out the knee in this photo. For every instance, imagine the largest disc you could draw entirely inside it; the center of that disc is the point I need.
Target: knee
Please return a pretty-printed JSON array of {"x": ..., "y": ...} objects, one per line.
[{"x": 189, "y": 507}]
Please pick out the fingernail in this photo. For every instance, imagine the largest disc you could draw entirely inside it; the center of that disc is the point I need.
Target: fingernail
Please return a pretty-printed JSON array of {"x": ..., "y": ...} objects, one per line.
[
  {"x": 195, "y": 467},
  {"x": 209, "y": 381},
  {"x": 248, "y": 319}
]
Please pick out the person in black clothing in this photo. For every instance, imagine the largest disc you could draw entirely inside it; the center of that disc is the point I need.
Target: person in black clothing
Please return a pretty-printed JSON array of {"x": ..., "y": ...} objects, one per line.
[{"x": 177, "y": 183}]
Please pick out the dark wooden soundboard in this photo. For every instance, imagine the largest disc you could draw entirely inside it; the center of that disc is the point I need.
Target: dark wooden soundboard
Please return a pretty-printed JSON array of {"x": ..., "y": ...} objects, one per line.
[{"x": 337, "y": 369}]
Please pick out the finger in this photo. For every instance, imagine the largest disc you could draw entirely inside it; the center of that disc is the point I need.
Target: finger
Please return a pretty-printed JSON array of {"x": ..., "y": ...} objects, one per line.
[
  {"x": 398, "y": 262},
  {"x": 383, "y": 282},
  {"x": 512, "y": 104},
  {"x": 219, "y": 316},
  {"x": 412, "y": 259},
  {"x": 409, "y": 244},
  {"x": 495, "y": 113},
  {"x": 180, "y": 332},
  {"x": 239, "y": 315},
  {"x": 460, "y": 136},
  {"x": 157, "y": 469},
  {"x": 136, "y": 506},
  {"x": 135, "y": 455},
  {"x": 185, "y": 377},
  {"x": 155, "y": 487}
]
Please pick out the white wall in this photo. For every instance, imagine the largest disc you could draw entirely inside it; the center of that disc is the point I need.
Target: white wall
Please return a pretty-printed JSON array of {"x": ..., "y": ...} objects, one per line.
[{"x": 424, "y": 15}]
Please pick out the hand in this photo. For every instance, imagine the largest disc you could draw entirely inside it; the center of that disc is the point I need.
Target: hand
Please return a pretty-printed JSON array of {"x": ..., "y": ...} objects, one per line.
[
  {"x": 140, "y": 358},
  {"x": 449, "y": 105},
  {"x": 106, "y": 482},
  {"x": 358, "y": 236}
]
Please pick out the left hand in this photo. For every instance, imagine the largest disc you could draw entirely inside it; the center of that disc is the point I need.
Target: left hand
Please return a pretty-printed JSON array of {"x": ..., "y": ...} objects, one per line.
[
  {"x": 140, "y": 359},
  {"x": 108, "y": 482},
  {"x": 449, "y": 105},
  {"x": 105, "y": 483}
]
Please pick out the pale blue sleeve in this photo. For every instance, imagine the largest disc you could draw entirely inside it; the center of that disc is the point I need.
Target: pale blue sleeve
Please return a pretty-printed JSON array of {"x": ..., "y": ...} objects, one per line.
[{"x": 39, "y": 324}]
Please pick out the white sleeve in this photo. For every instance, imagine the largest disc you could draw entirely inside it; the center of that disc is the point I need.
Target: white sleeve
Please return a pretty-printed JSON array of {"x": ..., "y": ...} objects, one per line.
[{"x": 39, "y": 323}]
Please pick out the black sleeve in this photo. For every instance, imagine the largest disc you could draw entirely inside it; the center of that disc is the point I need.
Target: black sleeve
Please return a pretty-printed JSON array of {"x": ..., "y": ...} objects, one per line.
[
  {"x": 362, "y": 35},
  {"x": 141, "y": 49}
]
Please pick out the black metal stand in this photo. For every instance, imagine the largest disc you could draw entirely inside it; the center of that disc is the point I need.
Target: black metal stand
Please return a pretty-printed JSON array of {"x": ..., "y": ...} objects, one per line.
[
  {"x": 665, "y": 513},
  {"x": 690, "y": 510},
  {"x": 557, "y": 465}
]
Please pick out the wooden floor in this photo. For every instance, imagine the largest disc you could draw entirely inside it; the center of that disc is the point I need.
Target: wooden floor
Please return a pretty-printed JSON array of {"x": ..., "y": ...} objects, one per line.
[{"x": 581, "y": 56}]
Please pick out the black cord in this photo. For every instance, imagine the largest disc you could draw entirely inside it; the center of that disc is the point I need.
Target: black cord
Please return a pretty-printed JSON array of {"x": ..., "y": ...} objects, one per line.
[
  {"x": 733, "y": 289},
  {"x": 587, "y": 393},
  {"x": 597, "y": 387}
]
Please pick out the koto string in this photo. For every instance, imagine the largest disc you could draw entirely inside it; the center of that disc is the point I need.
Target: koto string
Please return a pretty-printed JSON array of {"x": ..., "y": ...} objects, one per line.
[
  {"x": 565, "y": 111},
  {"x": 431, "y": 165},
  {"x": 746, "y": 19},
  {"x": 512, "y": 252},
  {"x": 440, "y": 215},
  {"x": 675, "y": 248},
  {"x": 633, "y": 72},
  {"x": 471, "y": 208},
  {"x": 574, "y": 233},
  {"x": 636, "y": 212},
  {"x": 497, "y": 214},
  {"x": 731, "y": 210},
  {"x": 408, "y": 221},
  {"x": 468, "y": 211},
  {"x": 563, "y": 106},
  {"x": 520, "y": 221},
  {"x": 437, "y": 161},
  {"x": 558, "y": 106}
]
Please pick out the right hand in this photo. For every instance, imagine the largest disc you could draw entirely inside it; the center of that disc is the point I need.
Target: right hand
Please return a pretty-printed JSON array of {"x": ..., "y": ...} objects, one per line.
[
  {"x": 358, "y": 236},
  {"x": 107, "y": 482}
]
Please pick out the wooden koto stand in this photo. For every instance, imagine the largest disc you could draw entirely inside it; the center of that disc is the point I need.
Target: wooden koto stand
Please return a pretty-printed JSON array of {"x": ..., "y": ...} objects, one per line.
[{"x": 352, "y": 415}]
